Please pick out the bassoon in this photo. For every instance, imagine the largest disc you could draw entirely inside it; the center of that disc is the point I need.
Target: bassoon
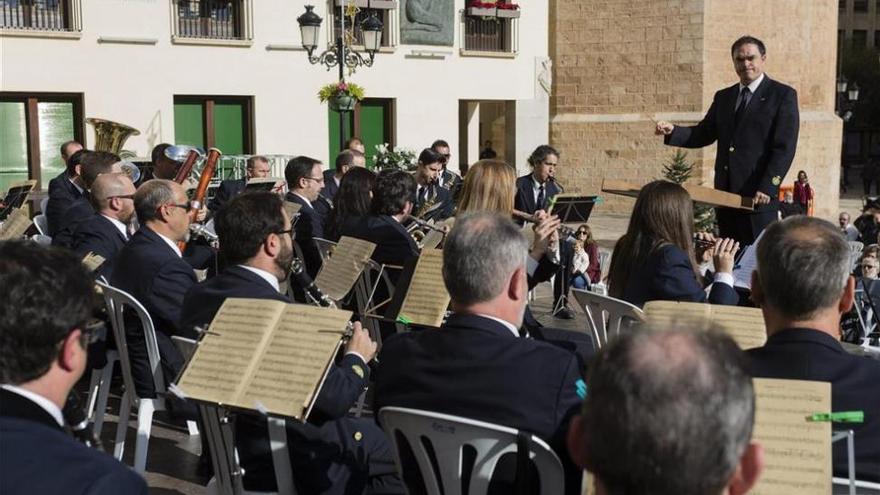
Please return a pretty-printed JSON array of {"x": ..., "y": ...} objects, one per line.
[{"x": 204, "y": 180}]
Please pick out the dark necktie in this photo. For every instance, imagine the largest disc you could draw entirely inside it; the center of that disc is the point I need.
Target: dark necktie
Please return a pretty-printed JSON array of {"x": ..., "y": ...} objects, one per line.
[
  {"x": 539, "y": 203},
  {"x": 423, "y": 195},
  {"x": 745, "y": 96}
]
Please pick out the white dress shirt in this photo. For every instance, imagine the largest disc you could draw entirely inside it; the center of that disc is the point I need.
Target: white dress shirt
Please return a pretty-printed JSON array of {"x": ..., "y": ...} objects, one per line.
[
  {"x": 268, "y": 277},
  {"x": 753, "y": 86},
  {"x": 506, "y": 324},
  {"x": 119, "y": 226},
  {"x": 39, "y": 400},
  {"x": 170, "y": 243},
  {"x": 303, "y": 198}
]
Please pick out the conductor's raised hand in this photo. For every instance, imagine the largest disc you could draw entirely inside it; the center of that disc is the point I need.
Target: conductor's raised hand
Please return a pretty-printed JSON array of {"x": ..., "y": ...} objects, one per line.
[
  {"x": 361, "y": 343},
  {"x": 724, "y": 255},
  {"x": 663, "y": 128}
]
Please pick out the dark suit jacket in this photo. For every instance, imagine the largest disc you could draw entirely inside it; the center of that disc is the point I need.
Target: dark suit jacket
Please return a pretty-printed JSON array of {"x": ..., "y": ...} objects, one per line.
[
  {"x": 62, "y": 193},
  {"x": 227, "y": 190},
  {"x": 394, "y": 245},
  {"x": 525, "y": 194},
  {"x": 476, "y": 368},
  {"x": 77, "y": 212},
  {"x": 98, "y": 235},
  {"x": 153, "y": 273},
  {"x": 309, "y": 443},
  {"x": 756, "y": 154},
  {"x": 39, "y": 457},
  {"x": 436, "y": 195},
  {"x": 309, "y": 226},
  {"x": 330, "y": 185},
  {"x": 806, "y": 354},
  {"x": 667, "y": 276}
]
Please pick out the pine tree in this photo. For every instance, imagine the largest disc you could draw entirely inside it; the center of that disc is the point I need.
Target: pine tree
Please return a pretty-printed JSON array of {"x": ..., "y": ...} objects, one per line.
[{"x": 679, "y": 171}]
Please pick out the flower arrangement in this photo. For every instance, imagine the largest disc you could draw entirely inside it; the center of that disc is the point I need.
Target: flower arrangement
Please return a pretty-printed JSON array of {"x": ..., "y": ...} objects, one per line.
[
  {"x": 341, "y": 88},
  {"x": 400, "y": 158},
  {"x": 500, "y": 4}
]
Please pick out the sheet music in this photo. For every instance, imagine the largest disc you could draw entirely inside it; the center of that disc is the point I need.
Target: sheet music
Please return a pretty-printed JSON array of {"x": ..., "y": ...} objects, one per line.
[
  {"x": 295, "y": 359},
  {"x": 427, "y": 298},
  {"x": 745, "y": 325},
  {"x": 433, "y": 238},
  {"x": 292, "y": 209},
  {"x": 342, "y": 270},
  {"x": 15, "y": 225},
  {"x": 797, "y": 453},
  {"x": 93, "y": 261},
  {"x": 748, "y": 263},
  {"x": 227, "y": 355}
]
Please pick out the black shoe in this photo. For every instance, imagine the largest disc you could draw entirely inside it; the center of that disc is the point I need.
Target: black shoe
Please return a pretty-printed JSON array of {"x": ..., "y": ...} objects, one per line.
[{"x": 564, "y": 314}]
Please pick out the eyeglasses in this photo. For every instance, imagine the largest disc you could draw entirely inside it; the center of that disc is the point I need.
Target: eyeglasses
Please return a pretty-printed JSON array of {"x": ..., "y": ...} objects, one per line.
[
  {"x": 185, "y": 206},
  {"x": 288, "y": 232},
  {"x": 870, "y": 267},
  {"x": 582, "y": 232},
  {"x": 91, "y": 332},
  {"x": 318, "y": 179}
]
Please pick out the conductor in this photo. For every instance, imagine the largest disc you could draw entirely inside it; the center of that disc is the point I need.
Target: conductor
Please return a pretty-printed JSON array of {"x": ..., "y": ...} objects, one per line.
[{"x": 756, "y": 125}]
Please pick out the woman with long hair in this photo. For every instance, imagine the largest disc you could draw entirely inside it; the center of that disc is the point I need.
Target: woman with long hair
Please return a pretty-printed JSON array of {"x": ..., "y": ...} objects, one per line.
[
  {"x": 585, "y": 269},
  {"x": 655, "y": 259},
  {"x": 803, "y": 192},
  {"x": 352, "y": 200},
  {"x": 489, "y": 185}
]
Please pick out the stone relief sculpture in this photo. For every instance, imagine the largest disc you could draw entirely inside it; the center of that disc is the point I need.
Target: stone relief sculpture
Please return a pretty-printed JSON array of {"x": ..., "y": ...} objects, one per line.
[
  {"x": 544, "y": 74},
  {"x": 427, "y": 22}
]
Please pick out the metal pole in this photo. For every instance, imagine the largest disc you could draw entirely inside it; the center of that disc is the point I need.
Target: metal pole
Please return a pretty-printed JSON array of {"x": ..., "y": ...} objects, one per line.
[{"x": 340, "y": 53}]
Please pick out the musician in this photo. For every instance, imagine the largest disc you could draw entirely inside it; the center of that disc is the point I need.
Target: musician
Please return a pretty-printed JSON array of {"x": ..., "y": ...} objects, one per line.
[
  {"x": 107, "y": 231},
  {"x": 163, "y": 167},
  {"x": 331, "y": 453},
  {"x": 304, "y": 182},
  {"x": 448, "y": 180},
  {"x": 151, "y": 269},
  {"x": 65, "y": 188},
  {"x": 476, "y": 365},
  {"x": 655, "y": 259},
  {"x": 391, "y": 205},
  {"x": 344, "y": 162},
  {"x": 431, "y": 201},
  {"x": 45, "y": 306},
  {"x": 534, "y": 192},
  {"x": 93, "y": 164},
  {"x": 352, "y": 201},
  {"x": 257, "y": 167},
  {"x": 354, "y": 144}
]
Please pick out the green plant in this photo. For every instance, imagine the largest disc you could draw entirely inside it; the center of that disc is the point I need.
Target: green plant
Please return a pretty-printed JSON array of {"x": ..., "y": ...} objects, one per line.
[
  {"x": 679, "y": 171},
  {"x": 388, "y": 157},
  {"x": 341, "y": 88}
]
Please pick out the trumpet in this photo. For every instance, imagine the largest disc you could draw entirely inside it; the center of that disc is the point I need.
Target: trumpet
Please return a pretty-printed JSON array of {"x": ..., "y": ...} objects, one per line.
[{"x": 562, "y": 229}]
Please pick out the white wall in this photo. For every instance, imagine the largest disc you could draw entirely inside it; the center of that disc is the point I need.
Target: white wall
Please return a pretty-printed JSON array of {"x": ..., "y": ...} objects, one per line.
[{"x": 135, "y": 84}]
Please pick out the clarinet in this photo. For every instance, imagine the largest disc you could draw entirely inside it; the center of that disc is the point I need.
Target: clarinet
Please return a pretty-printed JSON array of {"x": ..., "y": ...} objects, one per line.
[
  {"x": 75, "y": 416},
  {"x": 299, "y": 275}
]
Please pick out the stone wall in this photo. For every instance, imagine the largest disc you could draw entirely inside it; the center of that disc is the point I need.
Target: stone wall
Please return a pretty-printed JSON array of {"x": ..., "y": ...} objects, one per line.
[{"x": 620, "y": 65}]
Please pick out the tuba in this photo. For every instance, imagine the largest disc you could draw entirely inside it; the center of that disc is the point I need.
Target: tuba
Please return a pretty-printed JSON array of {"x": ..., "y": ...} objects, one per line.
[{"x": 110, "y": 136}]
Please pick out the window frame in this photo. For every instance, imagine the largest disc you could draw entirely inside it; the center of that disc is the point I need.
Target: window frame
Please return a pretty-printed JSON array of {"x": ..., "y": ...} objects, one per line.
[
  {"x": 245, "y": 25},
  {"x": 390, "y": 10},
  {"x": 72, "y": 31},
  {"x": 208, "y": 103},
  {"x": 510, "y": 28}
]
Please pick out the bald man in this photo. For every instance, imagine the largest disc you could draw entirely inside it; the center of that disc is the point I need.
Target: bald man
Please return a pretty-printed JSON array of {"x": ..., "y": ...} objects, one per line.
[{"x": 106, "y": 232}]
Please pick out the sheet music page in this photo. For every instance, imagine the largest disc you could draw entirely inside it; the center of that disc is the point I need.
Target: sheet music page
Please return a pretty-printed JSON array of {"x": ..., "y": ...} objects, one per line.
[
  {"x": 93, "y": 261},
  {"x": 293, "y": 363},
  {"x": 15, "y": 225},
  {"x": 797, "y": 453},
  {"x": 229, "y": 352},
  {"x": 427, "y": 299},
  {"x": 342, "y": 270},
  {"x": 745, "y": 325},
  {"x": 432, "y": 239},
  {"x": 292, "y": 209},
  {"x": 748, "y": 263}
]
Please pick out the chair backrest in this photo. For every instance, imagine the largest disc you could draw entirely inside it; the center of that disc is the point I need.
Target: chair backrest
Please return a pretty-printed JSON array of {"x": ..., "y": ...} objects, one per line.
[
  {"x": 445, "y": 446},
  {"x": 42, "y": 240},
  {"x": 43, "y": 203},
  {"x": 856, "y": 246},
  {"x": 42, "y": 224},
  {"x": 604, "y": 257},
  {"x": 606, "y": 316},
  {"x": 325, "y": 248},
  {"x": 116, "y": 301}
]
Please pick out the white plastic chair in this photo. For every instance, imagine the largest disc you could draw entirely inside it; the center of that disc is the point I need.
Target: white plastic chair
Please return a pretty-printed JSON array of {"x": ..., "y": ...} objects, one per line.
[
  {"x": 437, "y": 441},
  {"x": 99, "y": 391},
  {"x": 116, "y": 301},
  {"x": 606, "y": 316},
  {"x": 43, "y": 203},
  {"x": 42, "y": 224},
  {"x": 42, "y": 240}
]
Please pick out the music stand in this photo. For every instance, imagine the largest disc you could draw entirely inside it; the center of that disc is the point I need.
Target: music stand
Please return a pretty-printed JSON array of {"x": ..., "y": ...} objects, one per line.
[
  {"x": 571, "y": 208},
  {"x": 16, "y": 196}
]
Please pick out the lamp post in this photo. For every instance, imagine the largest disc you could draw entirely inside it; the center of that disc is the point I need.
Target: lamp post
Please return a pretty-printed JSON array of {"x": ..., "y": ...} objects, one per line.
[{"x": 341, "y": 55}]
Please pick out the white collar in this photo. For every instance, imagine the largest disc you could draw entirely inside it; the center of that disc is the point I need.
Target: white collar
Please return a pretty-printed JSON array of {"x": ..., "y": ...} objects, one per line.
[
  {"x": 75, "y": 185},
  {"x": 508, "y": 325},
  {"x": 303, "y": 198},
  {"x": 49, "y": 406},
  {"x": 170, "y": 243},
  {"x": 268, "y": 277},
  {"x": 123, "y": 229},
  {"x": 753, "y": 85},
  {"x": 537, "y": 185}
]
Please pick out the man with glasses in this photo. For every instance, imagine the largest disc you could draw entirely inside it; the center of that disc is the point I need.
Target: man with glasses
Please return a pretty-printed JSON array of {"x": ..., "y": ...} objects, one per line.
[
  {"x": 151, "y": 269},
  {"x": 257, "y": 168},
  {"x": 45, "y": 306},
  {"x": 304, "y": 182},
  {"x": 93, "y": 164},
  {"x": 447, "y": 179},
  {"x": 107, "y": 231}
]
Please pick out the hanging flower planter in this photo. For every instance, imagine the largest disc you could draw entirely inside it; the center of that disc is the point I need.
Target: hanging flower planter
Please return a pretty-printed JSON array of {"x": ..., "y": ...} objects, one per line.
[
  {"x": 342, "y": 103},
  {"x": 341, "y": 96}
]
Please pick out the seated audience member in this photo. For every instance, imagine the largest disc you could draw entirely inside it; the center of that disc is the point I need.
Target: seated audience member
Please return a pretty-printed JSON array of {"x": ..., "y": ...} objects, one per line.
[
  {"x": 48, "y": 298},
  {"x": 802, "y": 285},
  {"x": 654, "y": 260},
  {"x": 431, "y": 202},
  {"x": 585, "y": 270},
  {"x": 151, "y": 269},
  {"x": 107, "y": 231},
  {"x": 696, "y": 439},
  {"x": 65, "y": 188},
  {"x": 849, "y": 230},
  {"x": 477, "y": 365},
  {"x": 390, "y": 206},
  {"x": 257, "y": 167},
  {"x": 789, "y": 207},
  {"x": 93, "y": 164},
  {"x": 304, "y": 181},
  {"x": 351, "y": 203},
  {"x": 330, "y": 453}
]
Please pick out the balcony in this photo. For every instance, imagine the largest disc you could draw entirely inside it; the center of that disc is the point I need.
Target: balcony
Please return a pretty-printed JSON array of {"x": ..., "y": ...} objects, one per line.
[
  {"x": 212, "y": 22},
  {"x": 46, "y": 18},
  {"x": 489, "y": 36}
]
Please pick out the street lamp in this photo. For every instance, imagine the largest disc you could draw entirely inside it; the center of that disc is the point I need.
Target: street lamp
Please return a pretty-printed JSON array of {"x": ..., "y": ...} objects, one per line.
[{"x": 341, "y": 55}]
